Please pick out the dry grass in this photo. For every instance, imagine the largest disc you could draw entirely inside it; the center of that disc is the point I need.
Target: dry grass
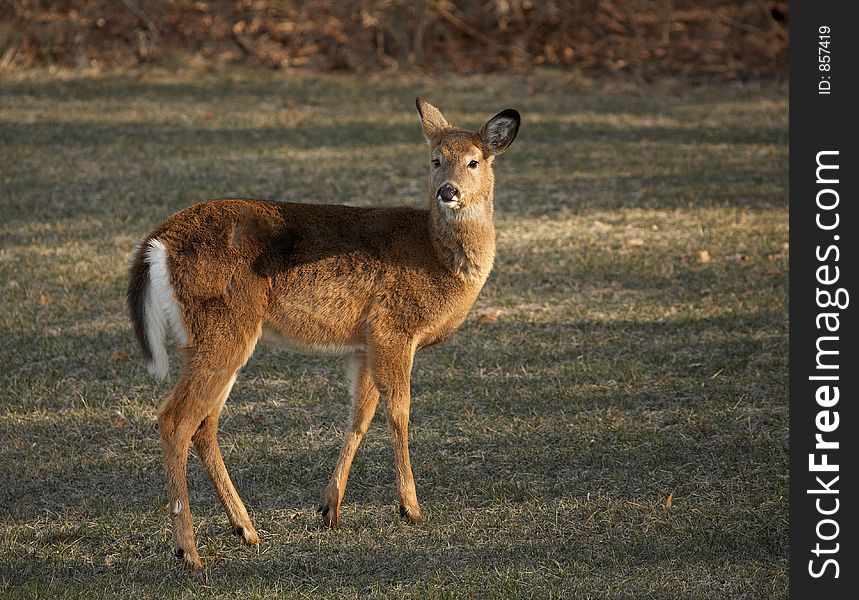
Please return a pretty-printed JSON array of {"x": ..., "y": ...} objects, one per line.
[{"x": 627, "y": 365}]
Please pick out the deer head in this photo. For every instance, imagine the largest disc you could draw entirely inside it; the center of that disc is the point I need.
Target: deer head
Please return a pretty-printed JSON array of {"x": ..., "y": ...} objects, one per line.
[{"x": 461, "y": 181}]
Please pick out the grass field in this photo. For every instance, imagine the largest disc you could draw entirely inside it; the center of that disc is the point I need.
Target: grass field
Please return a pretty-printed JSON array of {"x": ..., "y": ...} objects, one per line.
[{"x": 620, "y": 431}]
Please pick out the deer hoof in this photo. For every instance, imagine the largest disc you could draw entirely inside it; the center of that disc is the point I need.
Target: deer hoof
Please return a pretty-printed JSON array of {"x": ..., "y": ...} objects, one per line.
[
  {"x": 330, "y": 516},
  {"x": 192, "y": 561},
  {"x": 248, "y": 534},
  {"x": 411, "y": 515}
]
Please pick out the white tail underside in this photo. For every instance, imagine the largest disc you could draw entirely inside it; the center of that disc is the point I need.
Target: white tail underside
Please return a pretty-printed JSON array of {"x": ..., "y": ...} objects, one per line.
[{"x": 161, "y": 311}]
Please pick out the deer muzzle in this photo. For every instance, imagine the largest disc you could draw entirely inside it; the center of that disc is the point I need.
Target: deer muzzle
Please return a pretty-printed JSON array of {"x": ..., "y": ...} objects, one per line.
[{"x": 447, "y": 193}]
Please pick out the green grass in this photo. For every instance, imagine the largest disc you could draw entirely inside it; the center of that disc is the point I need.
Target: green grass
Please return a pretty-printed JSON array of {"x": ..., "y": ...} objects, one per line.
[{"x": 623, "y": 368}]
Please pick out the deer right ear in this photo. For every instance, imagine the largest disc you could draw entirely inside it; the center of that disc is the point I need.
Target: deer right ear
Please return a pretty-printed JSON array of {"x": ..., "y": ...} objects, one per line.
[
  {"x": 432, "y": 121},
  {"x": 500, "y": 131}
]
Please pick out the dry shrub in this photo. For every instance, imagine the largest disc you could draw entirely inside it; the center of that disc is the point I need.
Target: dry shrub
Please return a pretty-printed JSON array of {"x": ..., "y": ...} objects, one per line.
[{"x": 643, "y": 38}]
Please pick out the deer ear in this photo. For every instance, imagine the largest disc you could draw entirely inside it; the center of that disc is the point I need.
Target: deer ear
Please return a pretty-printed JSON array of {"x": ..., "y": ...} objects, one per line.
[
  {"x": 432, "y": 121},
  {"x": 500, "y": 131}
]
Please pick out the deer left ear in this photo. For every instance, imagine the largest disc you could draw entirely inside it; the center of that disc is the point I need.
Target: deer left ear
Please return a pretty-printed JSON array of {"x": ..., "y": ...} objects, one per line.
[
  {"x": 500, "y": 131},
  {"x": 432, "y": 121}
]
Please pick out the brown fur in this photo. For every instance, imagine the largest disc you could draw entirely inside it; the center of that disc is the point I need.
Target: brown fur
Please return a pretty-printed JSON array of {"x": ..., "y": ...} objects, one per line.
[{"x": 373, "y": 283}]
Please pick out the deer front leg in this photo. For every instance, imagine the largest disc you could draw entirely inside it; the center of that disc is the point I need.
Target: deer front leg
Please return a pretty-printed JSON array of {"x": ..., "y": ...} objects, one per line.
[
  {"x": 365, "y": 398},
  {"x": 398, "y": 414},
  {"x": 392, "y": 369}
]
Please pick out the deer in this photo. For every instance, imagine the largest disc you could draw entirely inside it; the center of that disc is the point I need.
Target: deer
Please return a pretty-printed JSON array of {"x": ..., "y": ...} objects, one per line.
[{"x": 371, "y": 284}]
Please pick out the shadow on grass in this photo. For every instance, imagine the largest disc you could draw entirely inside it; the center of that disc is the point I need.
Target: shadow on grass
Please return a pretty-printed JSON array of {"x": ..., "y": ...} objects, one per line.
[
  {"x": 54, "y": 135},
  {"x": 576, "y": 423},
  {"x": 78, "y": 135},
  {"x": 131, "y": 89},
  {"x": 334, "y": 568}
]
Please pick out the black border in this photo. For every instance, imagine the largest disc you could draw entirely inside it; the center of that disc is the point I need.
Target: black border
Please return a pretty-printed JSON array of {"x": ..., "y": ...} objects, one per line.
[{"x": 821, "y": 122}]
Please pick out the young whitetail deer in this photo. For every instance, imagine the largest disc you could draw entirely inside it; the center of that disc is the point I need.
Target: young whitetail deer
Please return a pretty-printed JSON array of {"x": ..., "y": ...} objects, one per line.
[{"x": 374, "y": 284}]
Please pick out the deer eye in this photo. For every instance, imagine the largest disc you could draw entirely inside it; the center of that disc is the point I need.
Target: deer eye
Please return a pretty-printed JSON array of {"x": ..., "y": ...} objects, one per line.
[
  {"x": 436, "y": 163},
  {"x": 472, "y": 164}
]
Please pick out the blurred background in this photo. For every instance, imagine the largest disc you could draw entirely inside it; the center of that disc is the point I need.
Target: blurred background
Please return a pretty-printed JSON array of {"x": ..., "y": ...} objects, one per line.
[{"x": 641, "y": 38}]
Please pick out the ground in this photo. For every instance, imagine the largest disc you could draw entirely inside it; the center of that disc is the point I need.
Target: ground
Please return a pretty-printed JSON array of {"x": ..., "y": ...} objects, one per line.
[{"x": 617, "y": 430}]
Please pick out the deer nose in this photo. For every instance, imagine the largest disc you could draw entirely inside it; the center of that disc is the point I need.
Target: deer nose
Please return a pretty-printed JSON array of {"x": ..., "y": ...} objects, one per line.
[{"x": 447, "y": 193}]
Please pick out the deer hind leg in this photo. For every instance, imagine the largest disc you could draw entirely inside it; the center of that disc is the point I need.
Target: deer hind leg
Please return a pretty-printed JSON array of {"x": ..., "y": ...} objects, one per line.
[
  {"x": 205, "y": 442},
  {"x": 391, "y": 368},
  {"x": 202, "y": 386},
  {"x": 365, "y": 398}
]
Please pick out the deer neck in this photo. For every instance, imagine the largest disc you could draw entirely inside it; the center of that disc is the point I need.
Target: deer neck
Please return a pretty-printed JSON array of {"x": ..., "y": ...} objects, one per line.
[{"x": 464, "y": 239}]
